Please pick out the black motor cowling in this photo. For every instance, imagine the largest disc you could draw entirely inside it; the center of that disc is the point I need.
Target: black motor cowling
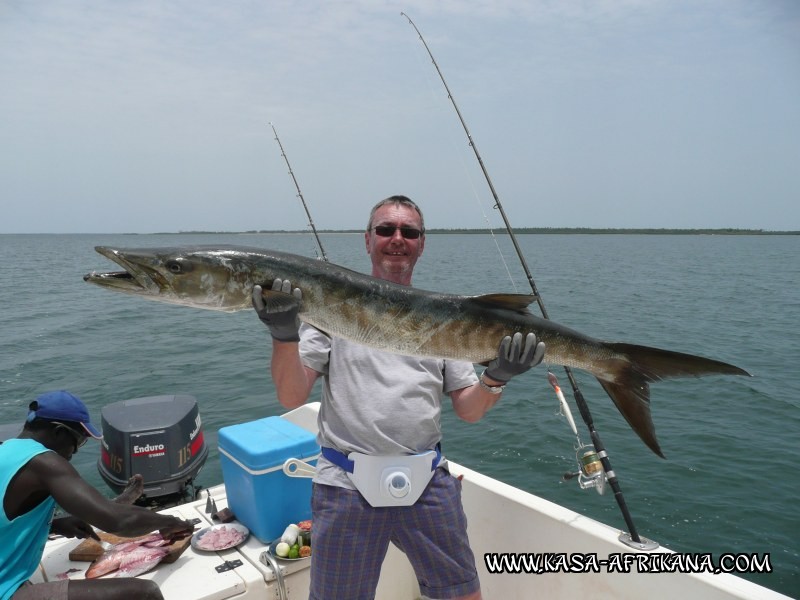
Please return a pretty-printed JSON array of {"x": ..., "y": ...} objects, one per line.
[{"x": 159, "y": 437}]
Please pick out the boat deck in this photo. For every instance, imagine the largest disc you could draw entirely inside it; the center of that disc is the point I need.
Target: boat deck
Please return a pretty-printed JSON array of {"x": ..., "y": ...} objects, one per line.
[
  {"x": 237, "y": 572},
  {"x": 540, "y": 528}
]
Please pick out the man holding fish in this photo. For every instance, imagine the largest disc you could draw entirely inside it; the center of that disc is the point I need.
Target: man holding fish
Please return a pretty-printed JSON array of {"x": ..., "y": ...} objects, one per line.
[
  {"x": 35, "y": 475},
  {"x": 381, "y": 476}
]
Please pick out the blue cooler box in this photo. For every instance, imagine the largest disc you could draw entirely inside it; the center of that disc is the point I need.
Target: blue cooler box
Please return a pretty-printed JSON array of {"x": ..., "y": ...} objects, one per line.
[{"x": 262, "y": 497}]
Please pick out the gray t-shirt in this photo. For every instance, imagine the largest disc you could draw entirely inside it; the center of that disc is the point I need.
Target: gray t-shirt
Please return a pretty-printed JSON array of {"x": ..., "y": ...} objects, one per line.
[{"x": 377, "y": 402}]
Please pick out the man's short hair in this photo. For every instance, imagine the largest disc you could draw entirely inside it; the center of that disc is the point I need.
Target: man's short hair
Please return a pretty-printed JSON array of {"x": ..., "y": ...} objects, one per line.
[{"x": 397, "y": 201}]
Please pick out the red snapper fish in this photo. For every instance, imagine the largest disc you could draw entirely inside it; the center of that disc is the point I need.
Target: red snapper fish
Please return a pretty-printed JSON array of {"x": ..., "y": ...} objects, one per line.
[{"x": 131, "y": 557}]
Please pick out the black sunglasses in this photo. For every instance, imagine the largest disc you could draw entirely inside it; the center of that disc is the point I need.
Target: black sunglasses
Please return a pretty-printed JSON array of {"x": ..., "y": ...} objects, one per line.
[
  {"x": 408, "y": 233},
  {"x": 80, "y": 440}
]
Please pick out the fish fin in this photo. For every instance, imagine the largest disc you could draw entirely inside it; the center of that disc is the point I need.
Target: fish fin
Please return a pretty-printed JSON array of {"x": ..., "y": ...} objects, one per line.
[
  {"x": 631, "y": 396},
  {"x": 629, "y": 385},
  {"x": 278, "y": 301},
  {"x": 656, "y": 364},
  {"x": 514, "y": 302}
]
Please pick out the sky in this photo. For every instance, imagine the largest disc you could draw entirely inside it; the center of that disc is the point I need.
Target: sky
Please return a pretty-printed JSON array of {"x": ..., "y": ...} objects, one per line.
[{"x": 153, "y": 116}]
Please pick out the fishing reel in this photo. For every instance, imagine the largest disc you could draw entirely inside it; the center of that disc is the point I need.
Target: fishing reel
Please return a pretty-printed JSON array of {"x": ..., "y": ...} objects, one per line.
[{"x": 590, "y": 471}]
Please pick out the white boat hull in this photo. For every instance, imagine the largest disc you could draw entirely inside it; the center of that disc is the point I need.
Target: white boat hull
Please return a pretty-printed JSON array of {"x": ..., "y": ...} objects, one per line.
[{"x": 529, "y": 525}]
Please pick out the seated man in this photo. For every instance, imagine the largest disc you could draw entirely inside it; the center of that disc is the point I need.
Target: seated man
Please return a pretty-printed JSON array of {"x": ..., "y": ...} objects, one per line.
[{"x": 35, "y": 475}]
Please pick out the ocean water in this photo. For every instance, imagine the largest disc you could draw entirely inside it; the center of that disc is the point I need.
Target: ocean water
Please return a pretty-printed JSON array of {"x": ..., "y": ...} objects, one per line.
[{"x": 729, "y": 483}]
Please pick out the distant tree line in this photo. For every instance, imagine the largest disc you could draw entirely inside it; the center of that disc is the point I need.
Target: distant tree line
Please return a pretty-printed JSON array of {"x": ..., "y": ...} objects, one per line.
[{"x": 541, "y": 230}]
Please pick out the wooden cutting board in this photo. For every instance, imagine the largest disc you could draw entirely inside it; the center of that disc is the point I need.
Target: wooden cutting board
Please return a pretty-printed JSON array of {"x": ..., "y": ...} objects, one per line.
[{"x": 90, "y": 549}]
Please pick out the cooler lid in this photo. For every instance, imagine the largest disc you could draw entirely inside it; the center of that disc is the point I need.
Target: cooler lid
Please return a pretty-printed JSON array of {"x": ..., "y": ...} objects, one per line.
[{"x": 267, "y": 442}]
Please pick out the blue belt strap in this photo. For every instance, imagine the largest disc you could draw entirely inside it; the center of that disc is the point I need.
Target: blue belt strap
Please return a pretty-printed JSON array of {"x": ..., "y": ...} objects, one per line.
[{"x": 340, "y": 459}]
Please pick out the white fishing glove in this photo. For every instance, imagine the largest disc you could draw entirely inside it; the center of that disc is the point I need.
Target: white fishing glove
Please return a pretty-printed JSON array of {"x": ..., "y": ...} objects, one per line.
[
  {"x": 515, "y": 357},
  {"x": 283, "y": 323}
]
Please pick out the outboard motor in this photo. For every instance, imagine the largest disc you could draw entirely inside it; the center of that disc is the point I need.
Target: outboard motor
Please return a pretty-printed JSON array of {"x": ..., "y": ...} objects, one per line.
[{"x": 159, "y": 437}]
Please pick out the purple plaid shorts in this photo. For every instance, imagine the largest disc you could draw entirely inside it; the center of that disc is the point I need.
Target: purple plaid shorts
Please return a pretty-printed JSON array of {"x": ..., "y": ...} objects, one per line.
[{"x": 351, "y": 539}]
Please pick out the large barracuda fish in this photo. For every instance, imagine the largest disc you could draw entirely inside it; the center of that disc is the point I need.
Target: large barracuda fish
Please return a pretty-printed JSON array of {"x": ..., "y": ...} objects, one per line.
[{"x": 397, "y": 318}]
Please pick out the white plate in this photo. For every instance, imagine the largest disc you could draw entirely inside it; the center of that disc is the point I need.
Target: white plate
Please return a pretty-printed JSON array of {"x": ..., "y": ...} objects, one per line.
[
  {"x": 272, "y": 551},
  {"x": 197, "y": 537}
]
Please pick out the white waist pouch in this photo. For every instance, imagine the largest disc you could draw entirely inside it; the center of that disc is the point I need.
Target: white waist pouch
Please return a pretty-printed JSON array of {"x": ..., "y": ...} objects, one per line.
[{"x": 392, "y": 480}]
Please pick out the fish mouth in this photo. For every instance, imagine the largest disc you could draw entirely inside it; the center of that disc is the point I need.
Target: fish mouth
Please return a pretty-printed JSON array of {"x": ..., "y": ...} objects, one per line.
[{"x": 137, "y": 278}]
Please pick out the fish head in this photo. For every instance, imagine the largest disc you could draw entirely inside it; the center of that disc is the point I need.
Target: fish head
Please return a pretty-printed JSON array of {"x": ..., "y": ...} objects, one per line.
[{"x": 214, "y": 278}]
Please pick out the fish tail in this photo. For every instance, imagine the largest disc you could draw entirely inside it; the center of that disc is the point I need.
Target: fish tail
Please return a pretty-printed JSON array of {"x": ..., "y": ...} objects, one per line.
[{"x": 629, "y": 386}]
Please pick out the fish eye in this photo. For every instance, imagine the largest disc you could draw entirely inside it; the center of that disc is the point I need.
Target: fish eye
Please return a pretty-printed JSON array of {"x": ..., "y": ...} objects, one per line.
[{"x": 177, "y": 266}]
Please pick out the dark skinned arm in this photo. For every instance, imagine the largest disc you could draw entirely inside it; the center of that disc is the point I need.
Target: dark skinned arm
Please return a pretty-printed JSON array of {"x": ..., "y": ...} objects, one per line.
[{"x": 51, "y": 473}]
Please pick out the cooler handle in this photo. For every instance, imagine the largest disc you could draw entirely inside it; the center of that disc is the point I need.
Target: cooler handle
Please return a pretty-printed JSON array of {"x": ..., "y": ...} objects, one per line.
[{"x": 294, "y": 467}]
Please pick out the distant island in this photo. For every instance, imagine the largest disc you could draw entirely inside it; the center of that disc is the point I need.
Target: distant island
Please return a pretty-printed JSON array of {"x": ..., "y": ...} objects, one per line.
[{"x": 531, "y": 230}]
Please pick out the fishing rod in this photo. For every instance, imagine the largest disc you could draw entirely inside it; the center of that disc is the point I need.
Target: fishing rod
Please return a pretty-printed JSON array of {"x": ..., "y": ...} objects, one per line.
[
  {"x": 300, "y": 194},
  {"x": 632, "y": 538}
]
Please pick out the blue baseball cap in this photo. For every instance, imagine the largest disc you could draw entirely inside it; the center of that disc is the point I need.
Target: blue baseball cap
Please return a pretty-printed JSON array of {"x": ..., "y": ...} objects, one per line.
[{"x": 63, "y": 406}]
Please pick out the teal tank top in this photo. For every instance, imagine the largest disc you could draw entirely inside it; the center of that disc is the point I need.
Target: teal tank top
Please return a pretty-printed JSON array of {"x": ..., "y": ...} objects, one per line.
[{"x": 21, "y": 540}]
